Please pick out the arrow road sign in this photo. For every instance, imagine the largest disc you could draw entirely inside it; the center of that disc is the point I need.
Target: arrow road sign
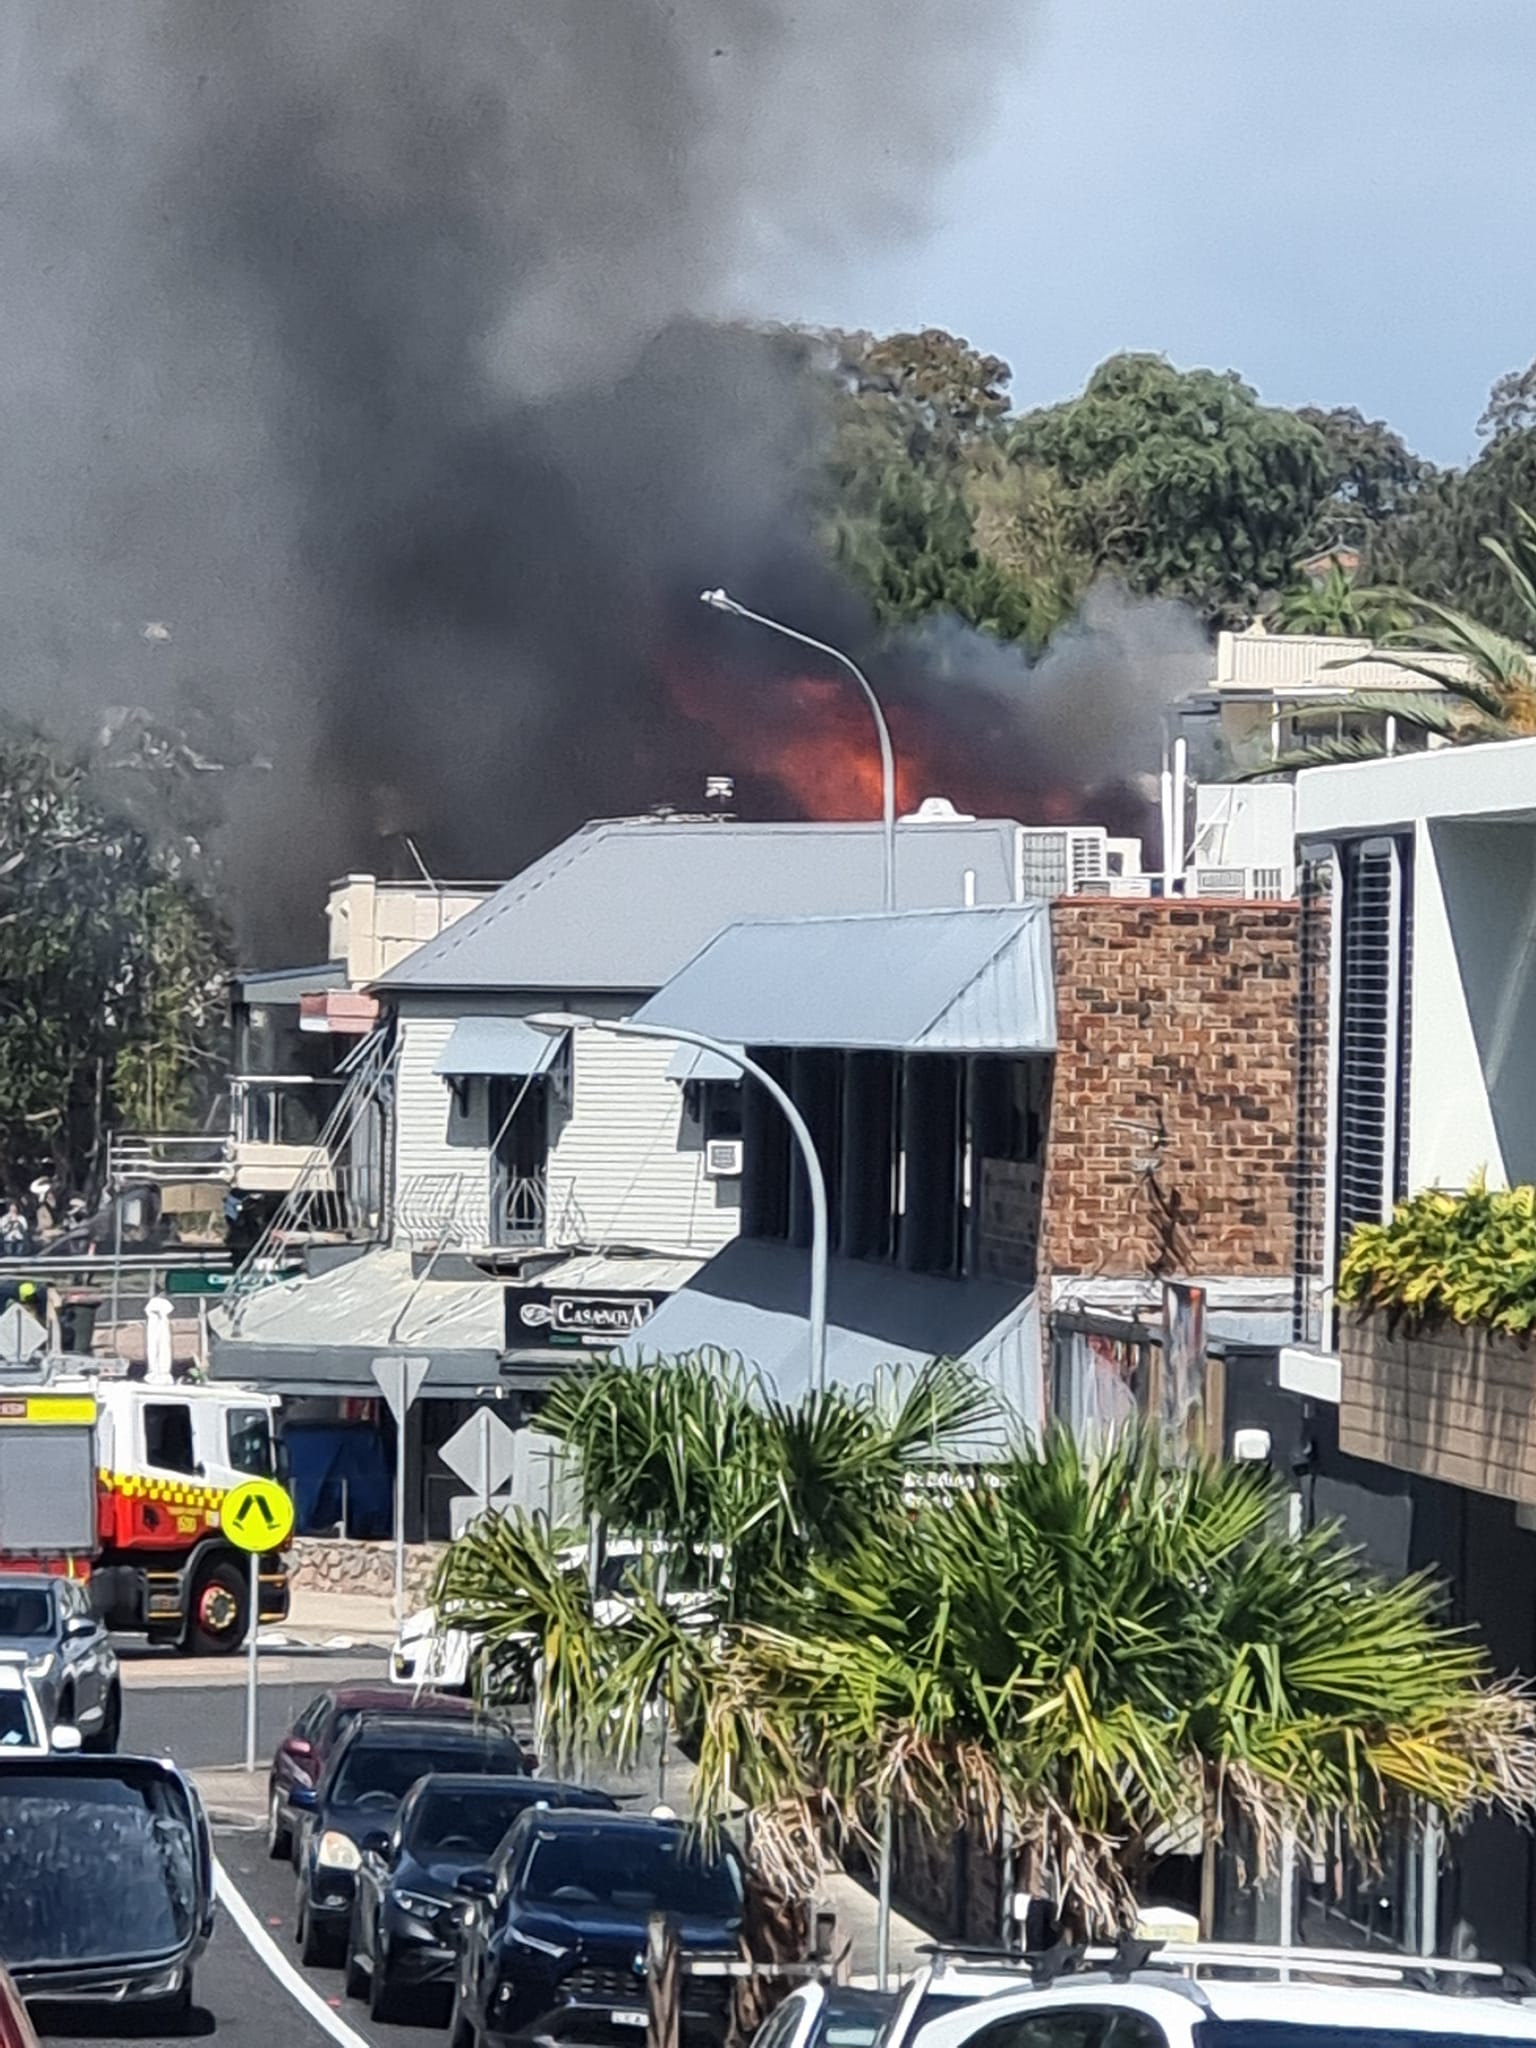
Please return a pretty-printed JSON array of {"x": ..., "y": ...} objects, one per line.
[
  {"x": 400, "y": 1381},
  {"x": 482, "y": 1452},
  {"x": 257, "y": 1515}
]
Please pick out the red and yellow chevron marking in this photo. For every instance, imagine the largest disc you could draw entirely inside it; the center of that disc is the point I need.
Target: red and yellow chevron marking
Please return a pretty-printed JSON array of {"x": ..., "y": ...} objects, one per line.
[
  {"x": 174, "y": 1492},
  {"x": 140, "y": 1511}
]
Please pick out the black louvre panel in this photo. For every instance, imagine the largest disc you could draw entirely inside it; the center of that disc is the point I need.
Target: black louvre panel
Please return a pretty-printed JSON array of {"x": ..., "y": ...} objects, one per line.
[{"x": 1372, "y": 1070}]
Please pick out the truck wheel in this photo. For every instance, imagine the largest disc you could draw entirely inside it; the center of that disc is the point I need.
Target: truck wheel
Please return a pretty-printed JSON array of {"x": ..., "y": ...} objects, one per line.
[{"x": 220, "y": 1602}]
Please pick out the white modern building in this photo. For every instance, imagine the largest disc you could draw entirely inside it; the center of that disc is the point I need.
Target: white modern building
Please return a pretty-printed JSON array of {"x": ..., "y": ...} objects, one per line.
[{"x": 1418, "y": 875}]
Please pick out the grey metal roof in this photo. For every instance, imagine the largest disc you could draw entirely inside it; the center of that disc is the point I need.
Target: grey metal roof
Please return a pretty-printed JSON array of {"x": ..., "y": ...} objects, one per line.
[
  {"x": 911, "y": 981},
  {"x": 698, "y": 1063},
  {"x": 622, "y": 905},
  {"x": 750, "y": 1300},
  {"x": 497, "y": 1045},
  {"x": 288, "y": 984}
]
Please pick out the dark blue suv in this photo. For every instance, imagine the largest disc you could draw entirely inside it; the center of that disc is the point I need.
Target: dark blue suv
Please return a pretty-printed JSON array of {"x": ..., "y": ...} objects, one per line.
[
  {"x": 553, "y": 1949},
  {"x": 369, "y": 1773}
]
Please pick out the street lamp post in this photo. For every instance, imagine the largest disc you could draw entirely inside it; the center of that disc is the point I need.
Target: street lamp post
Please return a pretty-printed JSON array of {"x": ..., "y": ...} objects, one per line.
[
  {"x": 816, "y": 1317},
  {"x": 721, "y": 601}
]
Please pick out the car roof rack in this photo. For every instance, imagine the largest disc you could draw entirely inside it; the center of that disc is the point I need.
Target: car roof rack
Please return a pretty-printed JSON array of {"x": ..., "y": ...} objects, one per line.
[{"x": 1194, "y": 1959}]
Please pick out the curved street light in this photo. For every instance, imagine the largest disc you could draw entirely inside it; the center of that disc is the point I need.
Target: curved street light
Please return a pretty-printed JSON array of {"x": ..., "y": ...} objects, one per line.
[
  {"x": 722, "y": 601},
  {"x": 816, "y": 1316}
]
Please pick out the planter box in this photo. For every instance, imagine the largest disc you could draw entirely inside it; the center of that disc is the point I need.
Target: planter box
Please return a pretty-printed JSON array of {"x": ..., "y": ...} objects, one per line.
[{"x": 1450, "y": 1403}]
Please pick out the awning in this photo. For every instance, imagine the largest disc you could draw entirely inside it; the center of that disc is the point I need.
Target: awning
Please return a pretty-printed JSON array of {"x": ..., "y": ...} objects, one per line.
[
  {"x": 750, "y": 1300},
  {"x": 911, "y": 981},
  {"x": 323, "y": 1330},
  {"x": 697, "y": 1063},
  {"x": 498, "y": 1045}
]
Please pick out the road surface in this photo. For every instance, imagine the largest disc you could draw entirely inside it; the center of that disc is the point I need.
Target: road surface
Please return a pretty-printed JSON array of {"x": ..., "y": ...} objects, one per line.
[{"x": 202, "y": 1724}]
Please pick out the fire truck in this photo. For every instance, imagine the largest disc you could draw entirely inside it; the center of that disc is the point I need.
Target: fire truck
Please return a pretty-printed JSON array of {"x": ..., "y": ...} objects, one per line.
[{"x": 120, "y": 1482}]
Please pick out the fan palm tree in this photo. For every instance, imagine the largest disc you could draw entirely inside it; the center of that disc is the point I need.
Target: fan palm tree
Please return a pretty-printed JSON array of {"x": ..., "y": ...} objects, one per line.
[
  {"x": 1483, "y": 684},
  {"x": 1097, "y": 1655}
]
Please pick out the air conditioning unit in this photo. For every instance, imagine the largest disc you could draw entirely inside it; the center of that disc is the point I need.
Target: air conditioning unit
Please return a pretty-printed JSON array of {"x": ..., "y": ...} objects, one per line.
[
  {"x": 723, "y": 1158},
  {"x": 1238, "y": 884},
  {"x": 1062, "y": 860},
  {"x": 1120, "y": 885}
]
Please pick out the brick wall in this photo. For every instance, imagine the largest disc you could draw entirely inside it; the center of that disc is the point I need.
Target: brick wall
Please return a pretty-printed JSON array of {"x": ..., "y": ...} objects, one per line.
[
  {"x": 1170, "y": 1145},
  {"x": 1454, "y": 1404}
]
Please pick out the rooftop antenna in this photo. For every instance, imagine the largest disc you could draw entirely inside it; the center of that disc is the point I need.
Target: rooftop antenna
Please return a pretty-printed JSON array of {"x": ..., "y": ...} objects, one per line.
[{"x": 426, "y": 875}]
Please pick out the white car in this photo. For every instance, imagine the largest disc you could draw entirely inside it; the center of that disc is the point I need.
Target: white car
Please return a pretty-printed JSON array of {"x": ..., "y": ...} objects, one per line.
[
  {"x": 1159, "y": 2008},
  {"x": 24, "y": 1729},
  {"x": 431, "y": 1655}
]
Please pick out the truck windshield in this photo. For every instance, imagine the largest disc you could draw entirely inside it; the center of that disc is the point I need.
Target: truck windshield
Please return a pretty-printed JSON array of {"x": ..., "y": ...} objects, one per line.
[{"x": 250, "y": 1441}]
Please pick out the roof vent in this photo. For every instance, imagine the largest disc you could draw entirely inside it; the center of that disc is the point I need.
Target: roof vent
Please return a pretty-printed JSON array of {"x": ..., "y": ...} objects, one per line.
[{"x": 938, "y": 810}]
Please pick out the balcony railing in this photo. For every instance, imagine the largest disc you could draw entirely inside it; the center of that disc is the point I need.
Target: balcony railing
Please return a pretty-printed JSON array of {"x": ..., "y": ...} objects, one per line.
[
  {"x": 450, "y": 1211},
  {"x": 158, "y": 1159}
]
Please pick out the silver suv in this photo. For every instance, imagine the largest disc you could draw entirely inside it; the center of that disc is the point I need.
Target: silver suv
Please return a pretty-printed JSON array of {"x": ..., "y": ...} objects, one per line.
[{"x": 47, "y": 1626}]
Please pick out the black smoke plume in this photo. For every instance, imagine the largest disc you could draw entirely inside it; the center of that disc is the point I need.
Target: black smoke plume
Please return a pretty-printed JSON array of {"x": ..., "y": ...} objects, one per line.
[{"x": 367, "y": 401}]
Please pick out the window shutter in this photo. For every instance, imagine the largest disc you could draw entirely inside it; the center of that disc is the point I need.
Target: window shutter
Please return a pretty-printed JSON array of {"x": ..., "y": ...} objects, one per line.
[{"x": 1373, "y": 1039}]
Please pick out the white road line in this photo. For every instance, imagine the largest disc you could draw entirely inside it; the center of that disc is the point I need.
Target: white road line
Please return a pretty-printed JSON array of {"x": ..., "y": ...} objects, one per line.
[{"x": 268, "y": 1952}]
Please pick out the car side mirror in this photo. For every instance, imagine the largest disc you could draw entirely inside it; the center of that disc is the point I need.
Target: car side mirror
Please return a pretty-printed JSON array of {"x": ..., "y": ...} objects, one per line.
[
  {"x": 299, "y": 1747},
  {"x": 66, "y": 1739},
  {"x": 79, "y": 1626},
  {"x": 475, "y": 1884},
  {"x": 375, "y": 1843},
  {"x": 304, "y": 1797}
]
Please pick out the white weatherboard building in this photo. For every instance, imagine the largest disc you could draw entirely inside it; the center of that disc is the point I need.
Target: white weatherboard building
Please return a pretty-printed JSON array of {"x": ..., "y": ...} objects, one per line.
[{"x": 548, "y": 1193}]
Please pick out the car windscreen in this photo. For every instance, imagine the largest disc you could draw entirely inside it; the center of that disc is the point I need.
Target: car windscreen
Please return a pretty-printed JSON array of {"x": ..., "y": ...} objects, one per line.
[
  {"x": 375, "y": 1772},
  {"x": 18, "y": 1723},
  {"x": 26, "y": 1611},
  {"x": 473, "y": 1821},
  {"x": 630, "y": 1872},
  {"x": 93, "y": 1869}
]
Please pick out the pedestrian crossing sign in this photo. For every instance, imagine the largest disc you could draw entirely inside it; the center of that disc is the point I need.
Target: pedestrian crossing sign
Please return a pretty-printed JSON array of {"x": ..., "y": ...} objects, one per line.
[{"x": 257, "y": 1515}]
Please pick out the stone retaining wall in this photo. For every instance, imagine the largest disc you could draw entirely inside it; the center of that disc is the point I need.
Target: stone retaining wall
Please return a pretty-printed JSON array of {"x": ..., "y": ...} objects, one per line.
[{"x": 321, "y": 1564}]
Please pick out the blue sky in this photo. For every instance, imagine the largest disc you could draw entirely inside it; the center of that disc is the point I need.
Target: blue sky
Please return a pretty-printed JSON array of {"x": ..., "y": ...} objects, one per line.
[{"x": 1332, "y": 199}]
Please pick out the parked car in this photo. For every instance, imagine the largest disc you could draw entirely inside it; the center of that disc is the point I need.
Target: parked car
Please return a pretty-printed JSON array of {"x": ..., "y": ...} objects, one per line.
[
  {"x": 1157, "y": 2008},
  {"x": 48, "y": 1624},
  {"x": 828, "y": 2016},
  {"x": 370, "y": 1771},
  {"x": 945, "y": 1985},
  {"x": 24, "y": 1727},
  {"x": 15, "y": 2027},
  {"x": 431, "y": 1651},
  {"x": 553, "y": 1944},
  {"x": 407, "y": 1910},
  {"x": 106, "y": 1883},
  {"x": 301, "y": 1757}
]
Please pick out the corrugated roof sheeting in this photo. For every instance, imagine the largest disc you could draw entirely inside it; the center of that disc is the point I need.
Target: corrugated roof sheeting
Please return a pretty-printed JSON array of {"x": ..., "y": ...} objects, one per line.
[
  {"x": 622, "y": 905},
  {"x": 497, "y": 1045},
  {"x": 751, "y": 1300},
  {"x": 696, "y": 1063},
  {"x": 375, "y": 1300},
  {"x": 915, "y": 981}
]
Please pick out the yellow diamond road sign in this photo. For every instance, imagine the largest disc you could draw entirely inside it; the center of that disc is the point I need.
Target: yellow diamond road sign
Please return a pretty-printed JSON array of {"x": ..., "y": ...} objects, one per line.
[{"x": 257, "y": 1515}]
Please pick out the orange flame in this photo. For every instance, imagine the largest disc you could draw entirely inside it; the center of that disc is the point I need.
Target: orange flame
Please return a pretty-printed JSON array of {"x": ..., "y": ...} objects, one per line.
[{"x": 813, "y": 737}]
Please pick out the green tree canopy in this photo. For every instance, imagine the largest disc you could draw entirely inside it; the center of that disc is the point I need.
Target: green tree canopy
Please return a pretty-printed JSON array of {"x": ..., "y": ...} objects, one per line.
[
  {"x": 1102, "y": 1652},
  {"x": 1182, "y": 482},
  {"x": 111, "y": 959}
]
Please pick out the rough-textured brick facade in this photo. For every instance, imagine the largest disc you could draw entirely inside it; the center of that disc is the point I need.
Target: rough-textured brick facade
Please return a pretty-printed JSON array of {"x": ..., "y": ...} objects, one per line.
[{"x": 1173, "y": 1113}]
